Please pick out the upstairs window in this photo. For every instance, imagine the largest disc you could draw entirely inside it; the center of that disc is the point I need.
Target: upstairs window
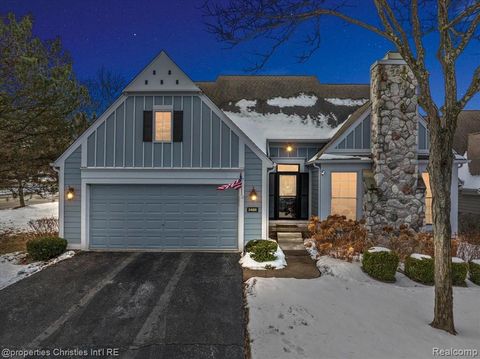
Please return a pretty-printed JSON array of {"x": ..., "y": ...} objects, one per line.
[
  {"x": 428, "y": 198},
  {"x": 344, "y": 194},
  {"x": 163, "y": 126}
]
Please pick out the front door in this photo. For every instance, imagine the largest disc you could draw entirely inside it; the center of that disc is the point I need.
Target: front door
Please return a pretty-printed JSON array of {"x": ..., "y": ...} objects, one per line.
[{"x": 288, "y": 195}]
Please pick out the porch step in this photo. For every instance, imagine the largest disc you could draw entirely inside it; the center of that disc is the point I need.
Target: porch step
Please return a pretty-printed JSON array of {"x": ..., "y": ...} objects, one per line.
[
  {"x": 287, "y": 228},
  {"x": 290, "y": 241}
]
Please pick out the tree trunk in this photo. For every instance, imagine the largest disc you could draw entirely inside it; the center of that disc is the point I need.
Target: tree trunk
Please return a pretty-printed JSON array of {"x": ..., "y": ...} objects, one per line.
[
  {"x": 21, "y": 195},
  {"x": 440, "y": 170}
]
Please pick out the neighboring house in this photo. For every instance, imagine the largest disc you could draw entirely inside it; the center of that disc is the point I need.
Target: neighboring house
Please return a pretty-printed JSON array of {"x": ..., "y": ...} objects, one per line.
[
  {"x": 145, "y": 174},
  {"x": 467, "y": 142}
]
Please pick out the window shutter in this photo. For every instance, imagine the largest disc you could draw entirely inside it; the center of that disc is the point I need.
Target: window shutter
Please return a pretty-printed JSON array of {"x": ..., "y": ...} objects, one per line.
[
  {"x": 177, "y": 126},
  {"x": 147, "y": 126},
  {"x": 303, "y": 196}
]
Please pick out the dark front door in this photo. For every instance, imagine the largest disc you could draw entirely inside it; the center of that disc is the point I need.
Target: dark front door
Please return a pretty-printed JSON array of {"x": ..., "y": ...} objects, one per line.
[{"x": 288, "y": 195}]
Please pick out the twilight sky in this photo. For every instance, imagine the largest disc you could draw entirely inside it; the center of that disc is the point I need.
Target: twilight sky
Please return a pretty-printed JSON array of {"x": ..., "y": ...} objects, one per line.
[{"x": 124, "y": 35}]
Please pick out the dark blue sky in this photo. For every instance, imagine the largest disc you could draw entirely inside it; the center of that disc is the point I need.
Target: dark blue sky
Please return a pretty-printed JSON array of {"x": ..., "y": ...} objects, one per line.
[{"x": 124, "y": 35}]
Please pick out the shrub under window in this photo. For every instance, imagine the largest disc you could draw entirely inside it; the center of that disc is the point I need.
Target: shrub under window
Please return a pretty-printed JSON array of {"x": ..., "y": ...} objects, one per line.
[
  {"x": 380, "y": 264},
  {"x": 45, "y": 248}
]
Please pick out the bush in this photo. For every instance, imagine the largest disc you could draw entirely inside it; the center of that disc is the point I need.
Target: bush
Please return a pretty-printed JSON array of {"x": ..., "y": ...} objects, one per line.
[
  {"x": 459, "y": 272},
  {"x": 380, "y": 265},
  {"x": 474, "y": 268},
  {"x": 44, "y": 227},
  {"x": 45, "y": 248},
  {"x": 420, "y": 270},
  {"x": 262, "y": 250},
  {"x": 338, "y": 236}
]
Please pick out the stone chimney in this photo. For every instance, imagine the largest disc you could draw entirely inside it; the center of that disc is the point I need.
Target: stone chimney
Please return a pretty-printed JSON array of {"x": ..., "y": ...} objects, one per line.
[{"x": 394, "y": 190}]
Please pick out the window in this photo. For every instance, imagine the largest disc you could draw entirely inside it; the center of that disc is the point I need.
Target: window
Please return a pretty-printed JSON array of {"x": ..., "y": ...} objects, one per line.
[
  {"x": 428, "y": 198},
  {"x": 344, "y": 194},
  {"x": 163, "y": 126},
  {"x": 288, "y": 168}
]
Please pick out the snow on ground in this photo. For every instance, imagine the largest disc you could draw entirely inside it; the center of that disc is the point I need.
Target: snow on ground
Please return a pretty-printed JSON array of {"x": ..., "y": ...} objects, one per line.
[
  {"x": 469, "y": 180},
  {"x": 18, "y": 218},
  {"x": 11, "y": 271},
  {"x": 259, "y": 127},
  {"x": 301, "y": 100},
  {"x": 346, "y": 101},
  {"x": 248, "y": 262},
  {"x": 346, "y": 314}
]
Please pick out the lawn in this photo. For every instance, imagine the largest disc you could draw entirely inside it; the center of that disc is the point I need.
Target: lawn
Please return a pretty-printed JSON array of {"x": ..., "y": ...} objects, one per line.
[{"x": 346, "y": 314}]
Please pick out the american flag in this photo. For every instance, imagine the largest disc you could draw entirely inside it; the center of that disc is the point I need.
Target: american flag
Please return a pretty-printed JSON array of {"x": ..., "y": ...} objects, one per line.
[{"x": 237, "y": 184}]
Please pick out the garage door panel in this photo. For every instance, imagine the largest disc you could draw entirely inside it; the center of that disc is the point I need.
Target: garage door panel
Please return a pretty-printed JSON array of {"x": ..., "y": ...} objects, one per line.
[{"x": 163, "y": 217}]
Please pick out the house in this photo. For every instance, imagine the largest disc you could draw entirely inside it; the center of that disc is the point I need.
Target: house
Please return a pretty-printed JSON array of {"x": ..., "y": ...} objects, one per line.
[
  {"x": 145, "y": 174},
  {"x": 467, "y": 142}
]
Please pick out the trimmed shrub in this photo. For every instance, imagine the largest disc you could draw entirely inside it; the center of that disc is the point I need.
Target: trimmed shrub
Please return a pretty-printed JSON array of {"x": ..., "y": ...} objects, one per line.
[
  {"x": 474, "y": 268},
  {"x": 459, "y": 272},
  {"x": 420, "y": 270},
  {"x": 262, "y": 250},
  {"x": 380, "y": 265},
  {"x": 45, "y": 248}
]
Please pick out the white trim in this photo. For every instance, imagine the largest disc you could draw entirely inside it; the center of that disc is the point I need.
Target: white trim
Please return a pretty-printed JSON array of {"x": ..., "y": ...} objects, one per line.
[
  {"x": 264, "y": 200},
  {"x": 84, "y": 210},
  {"x": 61, "y": 202},
  {"x": 241, "y": 218},
  {"x": 74, "y": 246},
  {"x": 133, "y": 130}
]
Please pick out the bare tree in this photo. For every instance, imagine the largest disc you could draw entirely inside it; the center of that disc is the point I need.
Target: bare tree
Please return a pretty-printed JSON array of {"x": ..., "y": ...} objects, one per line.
[
  {"x": 404, "y": 23},
  {"x": 103, "y": 89}
]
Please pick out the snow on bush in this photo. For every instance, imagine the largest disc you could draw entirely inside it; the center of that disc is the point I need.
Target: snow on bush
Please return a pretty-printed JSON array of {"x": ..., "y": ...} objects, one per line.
[
  {"x": 301, "y": 100},
  {"x": 380, "y": 263},
  {"x": 248, "y": 261}
]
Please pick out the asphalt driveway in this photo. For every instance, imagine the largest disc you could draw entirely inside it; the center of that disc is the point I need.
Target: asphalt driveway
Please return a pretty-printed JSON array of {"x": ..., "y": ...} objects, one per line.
[{"x": 137, "y": 305}]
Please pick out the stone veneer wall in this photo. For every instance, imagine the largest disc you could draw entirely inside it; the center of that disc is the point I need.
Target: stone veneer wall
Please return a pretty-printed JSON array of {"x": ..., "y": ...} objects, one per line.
[{"x": 396, "y": 197}]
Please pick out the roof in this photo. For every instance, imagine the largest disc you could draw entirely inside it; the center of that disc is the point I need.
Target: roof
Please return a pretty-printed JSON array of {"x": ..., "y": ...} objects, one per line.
[
  {"x": 467, "y": 139},
  {"x": 346, "y": 125},
  {"x": 285, "y": 107}
]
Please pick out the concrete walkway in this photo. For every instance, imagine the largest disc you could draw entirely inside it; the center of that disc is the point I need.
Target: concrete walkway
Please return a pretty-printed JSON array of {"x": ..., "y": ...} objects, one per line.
[{"x": 299, "y": 265}]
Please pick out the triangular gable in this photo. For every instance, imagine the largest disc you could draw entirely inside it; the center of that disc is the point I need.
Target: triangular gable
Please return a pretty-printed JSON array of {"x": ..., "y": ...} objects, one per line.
[{"x": 162, "y": 74}]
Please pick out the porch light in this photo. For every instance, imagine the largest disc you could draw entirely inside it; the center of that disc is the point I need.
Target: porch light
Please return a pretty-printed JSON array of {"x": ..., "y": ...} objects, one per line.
[
  {"x": 70, "y": 193},
  {"x": 289, "y": 148},
  {"x": 253, "y": 194}
]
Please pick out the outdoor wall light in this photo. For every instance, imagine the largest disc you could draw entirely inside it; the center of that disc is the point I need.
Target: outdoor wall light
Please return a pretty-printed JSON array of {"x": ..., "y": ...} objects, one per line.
[
  {"x": 253, "y": 194},
  {"x": 70, "y": 193},
  {"x": 289, "y": 148}
]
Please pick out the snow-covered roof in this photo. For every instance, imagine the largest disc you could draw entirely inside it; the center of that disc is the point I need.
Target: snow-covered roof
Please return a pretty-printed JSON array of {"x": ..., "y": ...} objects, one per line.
[
  {"x": 260, "y": 127},
  {"x": 285, "y": 107}
]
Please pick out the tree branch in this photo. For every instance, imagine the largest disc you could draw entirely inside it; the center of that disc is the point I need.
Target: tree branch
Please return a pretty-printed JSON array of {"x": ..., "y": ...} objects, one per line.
[{"x": 472, "y": 90}]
